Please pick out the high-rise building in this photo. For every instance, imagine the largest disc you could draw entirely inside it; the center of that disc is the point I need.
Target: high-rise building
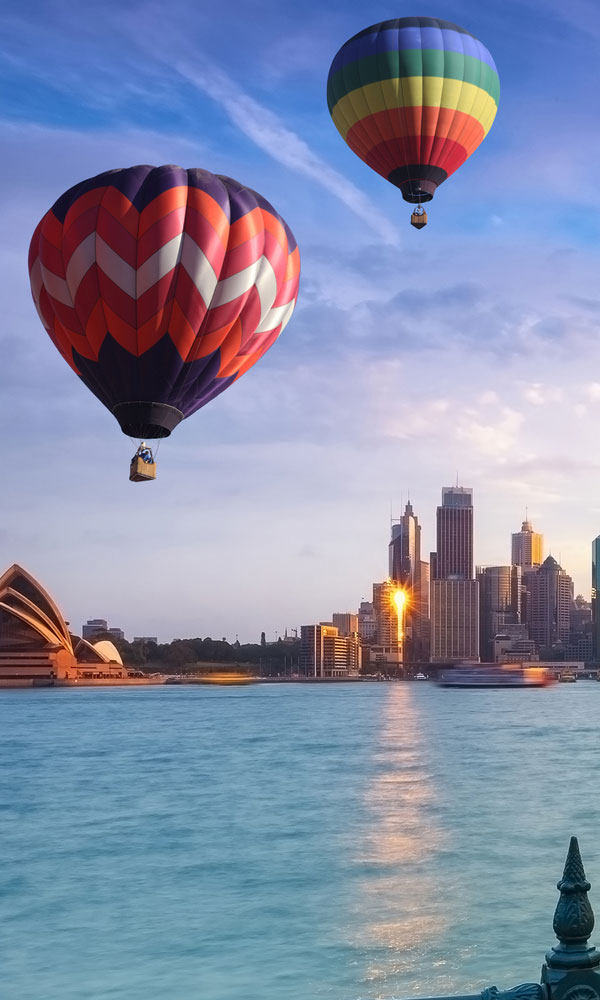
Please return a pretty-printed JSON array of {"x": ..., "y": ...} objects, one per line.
[
  {"x": 596, "y": 598},
  {"x": 454, "y": 594},
  {"x": 386, "y": 613},
  {"x": 527, "y": 547},
  {"x": 408, "y": 571},
  {"x": 454, "y": 620},
  {"x": 549, "y": 601},
  {"x": 499, "y": 604},
  {"x": 326, "y": 653},
  {"x": 454, "y": 522},
  {"x": 346, "y": 623},
  {"x": 405, "y": 548}
]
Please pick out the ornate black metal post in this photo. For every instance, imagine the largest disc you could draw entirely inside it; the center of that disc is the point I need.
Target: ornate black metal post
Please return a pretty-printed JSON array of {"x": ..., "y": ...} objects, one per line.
[{"x": 572, "y": 967}]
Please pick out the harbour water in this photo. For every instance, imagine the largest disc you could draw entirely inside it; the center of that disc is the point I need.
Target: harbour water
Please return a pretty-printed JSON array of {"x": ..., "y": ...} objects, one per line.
[{"x": 288, "y": 842}]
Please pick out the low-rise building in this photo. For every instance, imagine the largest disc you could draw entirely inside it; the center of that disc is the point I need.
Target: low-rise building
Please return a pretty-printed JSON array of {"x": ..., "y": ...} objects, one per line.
[{"x": 326, "y": 653}]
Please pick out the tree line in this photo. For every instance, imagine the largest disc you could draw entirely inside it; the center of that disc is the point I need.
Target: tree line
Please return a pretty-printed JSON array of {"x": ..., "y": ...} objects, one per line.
[{"x": 191, "y": 655}]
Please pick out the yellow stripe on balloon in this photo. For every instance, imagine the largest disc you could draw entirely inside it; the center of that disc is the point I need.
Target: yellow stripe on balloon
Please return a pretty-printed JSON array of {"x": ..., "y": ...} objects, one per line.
[{"x": 414, "y": 91}]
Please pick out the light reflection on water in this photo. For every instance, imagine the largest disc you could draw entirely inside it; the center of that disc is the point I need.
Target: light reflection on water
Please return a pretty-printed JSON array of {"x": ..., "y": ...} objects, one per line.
[{"x": 397, "y": 911}]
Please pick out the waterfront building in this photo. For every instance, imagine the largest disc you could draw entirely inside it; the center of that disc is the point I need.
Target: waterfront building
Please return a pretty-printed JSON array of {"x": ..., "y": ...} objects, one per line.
[
  {"x": 36, "y": 646},
  {"x": 513, "y": 645},
  {"x": 527, "y": 547},
  {"x": 596, "y": 598},
  {"x": 367, "y": 623},
  {"x": 499, "y": 604},
  {"x": 454, "y": 620},
  {"x": 549, "y": 600},
  {"x": 326, "y": 653},
  {"x": 346, "y": 623}
]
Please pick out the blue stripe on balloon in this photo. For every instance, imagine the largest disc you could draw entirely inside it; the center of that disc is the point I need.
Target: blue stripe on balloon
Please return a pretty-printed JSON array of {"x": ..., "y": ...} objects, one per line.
[{"x": 394, "y": 39}]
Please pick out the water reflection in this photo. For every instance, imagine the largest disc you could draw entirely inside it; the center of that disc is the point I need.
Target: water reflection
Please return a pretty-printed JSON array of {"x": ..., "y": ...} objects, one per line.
[{"x": 398, "y": 910}]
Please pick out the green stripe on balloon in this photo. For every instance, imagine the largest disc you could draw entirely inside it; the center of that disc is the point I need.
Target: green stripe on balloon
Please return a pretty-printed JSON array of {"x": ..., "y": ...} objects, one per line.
[{"x": 412, "y": 62}]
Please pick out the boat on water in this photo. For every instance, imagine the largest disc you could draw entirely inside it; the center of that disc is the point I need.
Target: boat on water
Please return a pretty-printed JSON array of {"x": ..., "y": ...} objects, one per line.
[
  {"x": 225, "y": 679},
  {"x": 493, "y": 676},
  {"x": 567, "y": 677}
]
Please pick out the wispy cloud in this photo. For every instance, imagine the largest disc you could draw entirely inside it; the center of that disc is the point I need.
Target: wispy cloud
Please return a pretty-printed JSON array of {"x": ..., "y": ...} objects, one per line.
[{"x": 263, "y": 127}]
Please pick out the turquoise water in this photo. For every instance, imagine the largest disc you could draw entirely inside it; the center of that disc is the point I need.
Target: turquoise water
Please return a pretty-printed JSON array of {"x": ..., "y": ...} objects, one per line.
[{"x": 288, "y": 842}]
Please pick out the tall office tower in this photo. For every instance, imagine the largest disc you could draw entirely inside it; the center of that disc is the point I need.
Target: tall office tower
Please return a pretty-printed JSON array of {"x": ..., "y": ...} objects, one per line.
[
  {"x": 454, "y": 553},
  {"x": 527, "y": 547},
  {"x": 407, "y": 569},
  {"x": 549, "y": 600},
  {"x": 454, "y": 620},
  {"x": 454, "y": 594},
  {"x": 499, "y": 604},
  {"x": 367, "y": 623},
  {"x": 405, "y": 548},
  {"x": 386, "y": 613},
  {"x": 596, "y": 597},
  {"x": 346, "y": 624}
]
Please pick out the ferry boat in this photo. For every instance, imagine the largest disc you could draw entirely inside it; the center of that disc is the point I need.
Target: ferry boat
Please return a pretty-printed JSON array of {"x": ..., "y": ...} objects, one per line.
[
  {"x": 567, "y": 677},
  {"x": 469, "y": 675}
]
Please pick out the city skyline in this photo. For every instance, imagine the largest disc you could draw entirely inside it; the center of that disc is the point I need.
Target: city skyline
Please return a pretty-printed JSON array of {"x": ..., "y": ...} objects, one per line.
[
  {"x": 396, "y": 532},
  {"x": 472, "y": 345}
]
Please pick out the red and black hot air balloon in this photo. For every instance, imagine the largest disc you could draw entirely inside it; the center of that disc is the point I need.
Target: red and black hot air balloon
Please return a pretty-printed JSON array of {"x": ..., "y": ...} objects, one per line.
[
  {"x": 160, "y": 287},
  {"x": 413, "y": 97}
]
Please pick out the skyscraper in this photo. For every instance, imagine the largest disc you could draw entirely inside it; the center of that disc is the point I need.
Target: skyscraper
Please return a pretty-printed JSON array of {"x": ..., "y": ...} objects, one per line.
[
  {"x": 527, "y": 547},
  {"x": 385, "y": 612},
  {"x": 549, "y": 601},
  {"x": 499, "y": 603},
  {"x": 405, "y": 548},
  {"x": 454, "y": 594},
  {"x": 407, "y": 570},
  {"x": 454, "y": 522}
]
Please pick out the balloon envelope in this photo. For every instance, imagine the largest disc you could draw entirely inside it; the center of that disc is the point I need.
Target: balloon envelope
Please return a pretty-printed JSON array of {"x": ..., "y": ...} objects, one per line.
[
  {"x": 413, "y": 98},
  {"x": 161, "y": 286}
]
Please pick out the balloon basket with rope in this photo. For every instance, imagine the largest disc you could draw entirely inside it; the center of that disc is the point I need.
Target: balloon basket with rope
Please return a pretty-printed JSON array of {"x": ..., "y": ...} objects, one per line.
[
  {"x": 143, "y": 465},
  {"x": 418, "y": 218}
]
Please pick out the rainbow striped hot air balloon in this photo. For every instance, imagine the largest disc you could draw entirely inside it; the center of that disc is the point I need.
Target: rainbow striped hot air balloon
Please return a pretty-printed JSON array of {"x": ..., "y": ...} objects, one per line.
[{"x": 413, "y": 97}]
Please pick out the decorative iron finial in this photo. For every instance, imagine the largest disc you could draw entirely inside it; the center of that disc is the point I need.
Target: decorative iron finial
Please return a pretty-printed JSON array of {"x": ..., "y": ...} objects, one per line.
[
  {"x": 573, "y": 923},
  {"x": 573, "y": 917}
]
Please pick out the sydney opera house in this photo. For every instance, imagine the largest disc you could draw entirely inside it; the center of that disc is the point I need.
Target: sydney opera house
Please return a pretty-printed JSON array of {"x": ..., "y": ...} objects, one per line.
[{"x": 36, "y": 647}]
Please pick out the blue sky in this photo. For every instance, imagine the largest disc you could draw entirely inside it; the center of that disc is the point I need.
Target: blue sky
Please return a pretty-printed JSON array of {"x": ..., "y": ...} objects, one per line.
[{"x": 470, "y": 348}]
